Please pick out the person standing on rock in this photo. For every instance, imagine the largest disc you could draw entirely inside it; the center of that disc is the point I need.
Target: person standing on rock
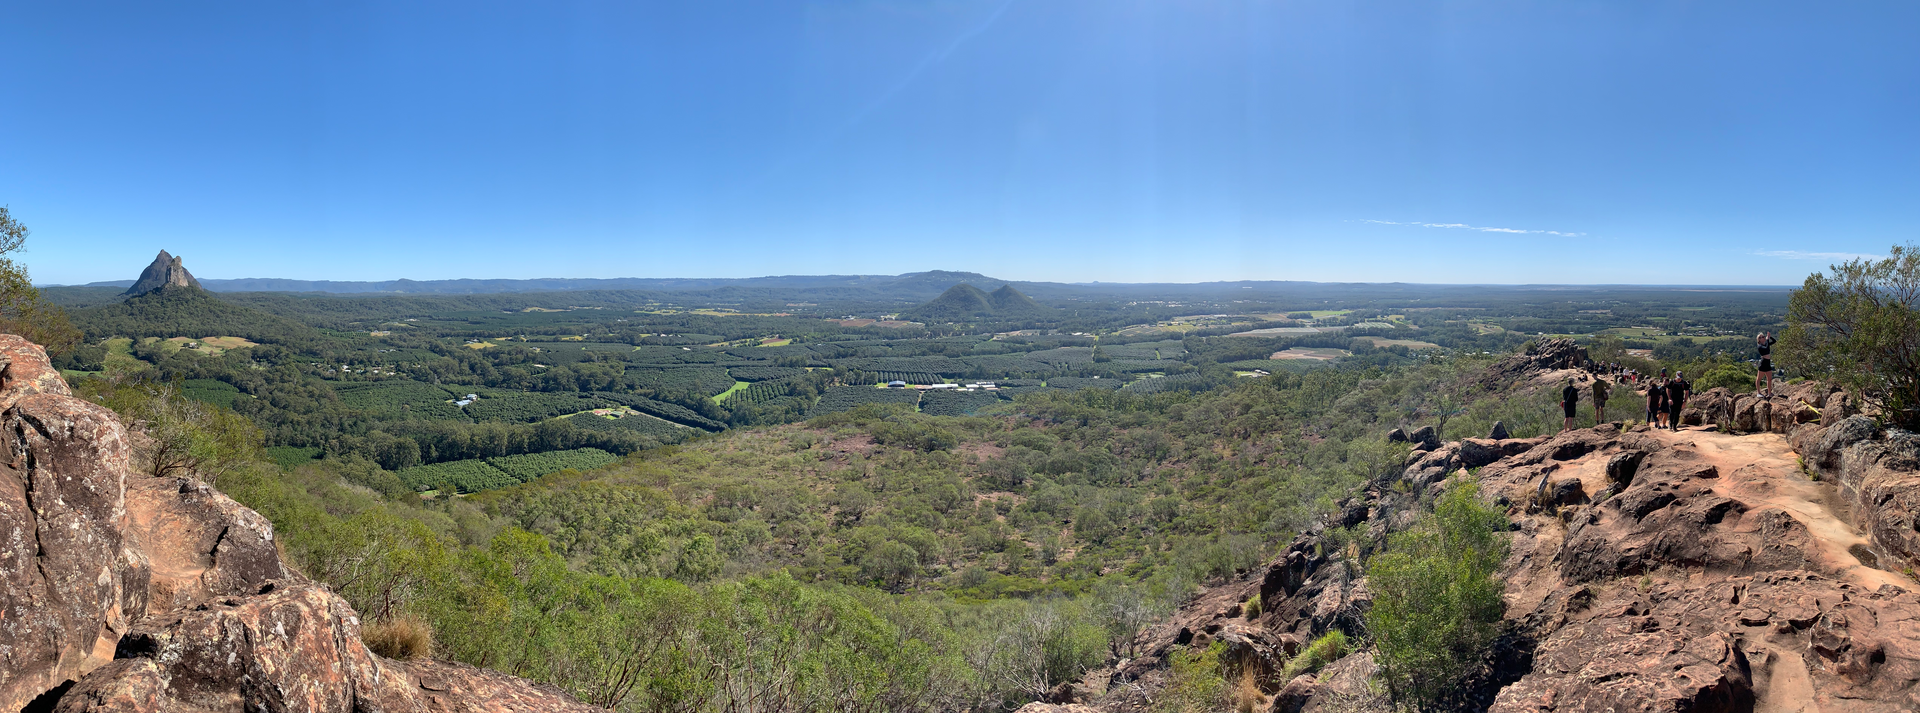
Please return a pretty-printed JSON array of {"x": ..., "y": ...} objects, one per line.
[
  {"x": 1599, "y": 400},
  {"x": 1763, "y": 381},
  {"x": 1656, "y": 402},
  {"x": 1677, "y": 391},
  {"x": 1569, "y": 403}
]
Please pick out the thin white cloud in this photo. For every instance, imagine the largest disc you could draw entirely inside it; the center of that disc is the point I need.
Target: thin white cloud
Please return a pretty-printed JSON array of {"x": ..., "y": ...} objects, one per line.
[
  {"x": 1464, "y": 226},
  {"x": 1804, "y": 255}
]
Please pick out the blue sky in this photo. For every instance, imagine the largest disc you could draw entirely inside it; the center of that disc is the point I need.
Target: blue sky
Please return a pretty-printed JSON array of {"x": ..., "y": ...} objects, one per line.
[{"x": 1636, "y": 142}]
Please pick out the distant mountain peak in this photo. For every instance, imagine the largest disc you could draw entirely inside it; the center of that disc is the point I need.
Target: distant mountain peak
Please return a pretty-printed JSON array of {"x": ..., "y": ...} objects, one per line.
[
  {"x": 1007, "y": 301},
  {"x": 964, "y": 301},
  {"x": 165, "y": 271}
]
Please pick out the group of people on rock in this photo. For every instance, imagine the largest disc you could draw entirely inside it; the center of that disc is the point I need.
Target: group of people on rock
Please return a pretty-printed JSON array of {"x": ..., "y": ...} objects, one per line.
[
  {"x": 1665, "y": 398},
  {"x": 1620, "y": 372}
]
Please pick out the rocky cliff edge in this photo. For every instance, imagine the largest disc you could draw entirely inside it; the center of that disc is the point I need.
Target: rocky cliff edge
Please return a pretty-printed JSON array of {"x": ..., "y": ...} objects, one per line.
[{"x": 125, "y": 592}]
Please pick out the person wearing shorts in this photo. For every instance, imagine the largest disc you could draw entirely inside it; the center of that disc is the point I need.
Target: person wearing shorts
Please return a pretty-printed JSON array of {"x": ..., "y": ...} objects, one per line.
[
  {"x": 1569, "y": 403},
  {"x": 1764, "y": 380},
  {"x": 1656, "y": 403},
  {"x": 1677, "y": 391},
  {"x": 1599, "y": 400}
]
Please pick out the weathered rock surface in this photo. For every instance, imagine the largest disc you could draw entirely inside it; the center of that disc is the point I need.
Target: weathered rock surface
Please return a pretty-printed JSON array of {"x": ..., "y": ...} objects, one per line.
[
  {"x": 1878, "y": 476},
  {"x": 125, "y": 592},
  {"x": 165, "y": 271},
  {"x": 1708, "y": 580}
]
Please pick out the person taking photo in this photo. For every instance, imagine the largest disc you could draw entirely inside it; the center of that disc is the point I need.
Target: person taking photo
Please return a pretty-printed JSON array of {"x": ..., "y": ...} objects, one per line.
[{"x": 1763, "y": 381}]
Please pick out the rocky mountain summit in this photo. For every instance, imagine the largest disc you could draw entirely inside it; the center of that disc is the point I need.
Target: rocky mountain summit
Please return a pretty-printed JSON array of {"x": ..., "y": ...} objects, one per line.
[
  {"x": 1760, "y": 559},
  {"x": 165, "y": 271},
  {"x": 121, "y": 591}
]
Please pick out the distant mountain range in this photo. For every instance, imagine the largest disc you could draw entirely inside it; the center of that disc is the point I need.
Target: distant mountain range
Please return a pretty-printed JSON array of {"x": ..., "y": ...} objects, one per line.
[
  {"x": 925, "y": 295},
  {"x": 931, "y": 282}
]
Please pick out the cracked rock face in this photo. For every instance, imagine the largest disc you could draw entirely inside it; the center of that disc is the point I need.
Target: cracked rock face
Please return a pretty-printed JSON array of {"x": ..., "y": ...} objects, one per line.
[
  {"x": 69, "y": 579},
  {"x": 125, "y": 592}
]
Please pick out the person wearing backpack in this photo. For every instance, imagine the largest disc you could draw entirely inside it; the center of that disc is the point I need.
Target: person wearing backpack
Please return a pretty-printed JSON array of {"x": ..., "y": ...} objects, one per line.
[{"x": 1600, "y": 390}]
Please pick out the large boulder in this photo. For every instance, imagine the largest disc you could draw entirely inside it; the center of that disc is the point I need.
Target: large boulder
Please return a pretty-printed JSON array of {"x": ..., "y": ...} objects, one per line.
[
  {"x": 295, "y": 647},
  {"x": 1838, "y": 437},
  {"x": 1425, "y": 437},
  {"x": 70, "y": 581}
]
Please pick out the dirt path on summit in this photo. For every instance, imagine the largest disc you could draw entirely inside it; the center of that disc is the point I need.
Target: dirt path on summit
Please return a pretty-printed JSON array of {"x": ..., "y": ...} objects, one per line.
[{"x": 1763, "y": 471}]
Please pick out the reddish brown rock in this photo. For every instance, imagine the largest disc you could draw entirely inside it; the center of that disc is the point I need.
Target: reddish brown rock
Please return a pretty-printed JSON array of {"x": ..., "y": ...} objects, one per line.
[
  {"x": 69, "y": 580},
  {"x": 447, "y": 687},
  {"x": 295, "y": 648},
  {"x": 200, "y": 543}
]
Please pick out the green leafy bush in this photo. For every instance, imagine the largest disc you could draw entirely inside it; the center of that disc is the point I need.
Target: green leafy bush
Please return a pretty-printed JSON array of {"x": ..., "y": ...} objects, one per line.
[
  {"x": 1324, "y": 650},
  {"x": 1436, "y": 600}
]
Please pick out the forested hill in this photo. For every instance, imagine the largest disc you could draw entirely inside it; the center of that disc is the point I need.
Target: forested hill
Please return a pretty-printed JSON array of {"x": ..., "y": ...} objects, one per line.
[
  {"x": 184, "y": 311},
  {"x": 964, "y": 302}
]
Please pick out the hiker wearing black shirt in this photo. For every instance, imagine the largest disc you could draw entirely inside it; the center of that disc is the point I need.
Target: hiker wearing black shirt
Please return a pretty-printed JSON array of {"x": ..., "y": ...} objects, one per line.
[
  {"x": 1599, "y": 400},
  {"x": 1656, "y": 402},
  {"x": 1677, "y": 391},
  {"x": 1569, "y": 403},
  {"x": 1764, "y": 380}
]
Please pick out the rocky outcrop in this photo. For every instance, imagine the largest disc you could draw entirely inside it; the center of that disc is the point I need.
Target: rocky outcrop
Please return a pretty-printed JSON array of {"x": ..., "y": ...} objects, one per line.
[
  {"x": 1711, "y": 575},
  {"x": 126, "y": 592},
  {"x": 1540, "y": 359},
  {"x": 1877, "y": 474},
  {"x": 1790, "y": 406},
  {"x": 165, "y": 271},
  {"x": 1754, "y": 565}
]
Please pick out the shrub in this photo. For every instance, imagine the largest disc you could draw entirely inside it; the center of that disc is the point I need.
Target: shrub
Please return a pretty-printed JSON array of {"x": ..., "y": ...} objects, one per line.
[
  {"x": 404, "y": 637},
  {"x": 1198, "y": 683},
  {"x": 1436, "y": 601},
  {"x": 1252, "y": 607},
  {"x": 1735, "y": 377},
  {"x": 1324, "y": 650}
]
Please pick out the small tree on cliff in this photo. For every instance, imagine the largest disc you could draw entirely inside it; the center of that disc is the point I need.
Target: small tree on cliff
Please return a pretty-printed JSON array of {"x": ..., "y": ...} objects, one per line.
[
  {"x": 22, "y": 311},
  {"x": 1437, "y": 603},
  {"x": 1860, "y": 328}
]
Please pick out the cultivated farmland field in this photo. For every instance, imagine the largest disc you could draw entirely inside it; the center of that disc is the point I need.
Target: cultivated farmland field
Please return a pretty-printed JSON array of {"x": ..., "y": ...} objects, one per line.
[
  {"x": 533, "y": 465},
  {"x": 842, "y": 398}
]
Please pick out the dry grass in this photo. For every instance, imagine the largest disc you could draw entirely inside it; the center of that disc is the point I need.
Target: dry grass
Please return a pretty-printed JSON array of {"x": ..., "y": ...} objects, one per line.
[
  {"x": 1246, "y": 694},
  {"x": 404, "y": 637}
]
